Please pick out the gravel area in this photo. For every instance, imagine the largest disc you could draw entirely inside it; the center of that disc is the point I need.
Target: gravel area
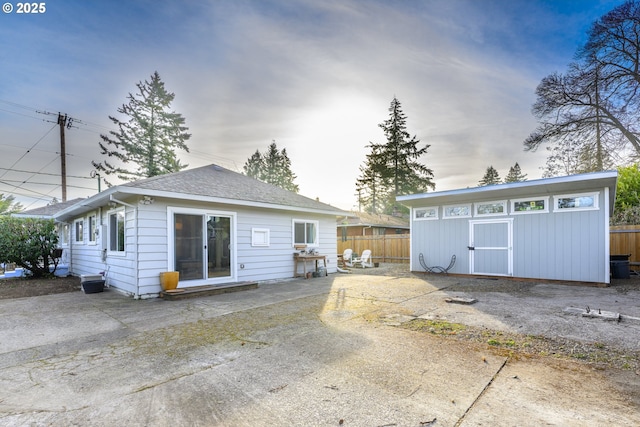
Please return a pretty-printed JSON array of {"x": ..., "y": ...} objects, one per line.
[{"x": 619, "y": 351}]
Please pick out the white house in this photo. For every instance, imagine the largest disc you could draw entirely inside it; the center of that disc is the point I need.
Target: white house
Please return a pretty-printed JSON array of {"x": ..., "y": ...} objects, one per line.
[
  {"x": 553, "y": 229},
  {"x": 211, "y": 224}
]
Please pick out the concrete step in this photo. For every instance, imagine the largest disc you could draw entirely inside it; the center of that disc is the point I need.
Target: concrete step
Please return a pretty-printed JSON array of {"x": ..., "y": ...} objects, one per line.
[{"x": 201, "y": 291}]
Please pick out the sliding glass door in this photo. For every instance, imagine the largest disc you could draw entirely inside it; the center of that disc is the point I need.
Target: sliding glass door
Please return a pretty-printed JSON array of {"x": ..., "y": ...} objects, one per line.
[{"x": 202, "y": 251}]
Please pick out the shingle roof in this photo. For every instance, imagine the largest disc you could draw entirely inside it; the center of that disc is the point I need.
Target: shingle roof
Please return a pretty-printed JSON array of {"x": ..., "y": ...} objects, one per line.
[
  {"x": 218, "y": 182},
  {"x": 49, "y": 210}
]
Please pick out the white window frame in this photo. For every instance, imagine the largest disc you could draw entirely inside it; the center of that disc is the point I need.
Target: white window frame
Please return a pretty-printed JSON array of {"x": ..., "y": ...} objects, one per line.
[
  {"x": 502, "y": 203},
  {"x": 109, "y": 231},
  {"x": 78, "y": 238},
  {"x": 92, "y": 226},
  {"x": 430, "y": 209},
  {"x": 545, "y": 199},
  {"x": 465, "y": 205},
  {"x": 260, "y": 237},
  {"x": 316, "y": 242},
  {"x": 595, "y": 195},
  {"x": 64, "y": 231}
]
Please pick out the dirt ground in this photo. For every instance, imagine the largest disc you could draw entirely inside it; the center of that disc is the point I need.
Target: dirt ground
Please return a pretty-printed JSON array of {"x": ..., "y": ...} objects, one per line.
[{"x": 23, "y": 287}]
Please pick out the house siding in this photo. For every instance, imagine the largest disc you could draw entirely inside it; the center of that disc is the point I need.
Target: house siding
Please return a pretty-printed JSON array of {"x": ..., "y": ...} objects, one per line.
[{"x": 137, "y": 270}]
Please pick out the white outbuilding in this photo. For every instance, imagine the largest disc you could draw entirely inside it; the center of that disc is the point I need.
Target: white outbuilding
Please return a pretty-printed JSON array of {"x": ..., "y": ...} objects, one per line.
[{"x": 550, "y": 229}]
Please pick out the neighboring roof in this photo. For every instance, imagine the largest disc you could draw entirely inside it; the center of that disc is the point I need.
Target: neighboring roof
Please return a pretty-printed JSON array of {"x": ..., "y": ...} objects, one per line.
[
  {"x": 47, "y": 211},
  {"x": 210, "y": 183},
  {"x": 373, "y": 220},
  {"x": 536, "y": 187}
]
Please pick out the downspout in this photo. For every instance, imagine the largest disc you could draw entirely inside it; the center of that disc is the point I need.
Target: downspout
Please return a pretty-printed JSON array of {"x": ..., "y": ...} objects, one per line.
[
  {"x": 364, "y": 230},
  {"x": 136, "y": 294}
]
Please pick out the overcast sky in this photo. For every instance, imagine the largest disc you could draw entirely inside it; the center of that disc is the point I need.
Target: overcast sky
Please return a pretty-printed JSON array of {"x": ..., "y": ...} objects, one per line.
[{"x": 315, "y": 76}]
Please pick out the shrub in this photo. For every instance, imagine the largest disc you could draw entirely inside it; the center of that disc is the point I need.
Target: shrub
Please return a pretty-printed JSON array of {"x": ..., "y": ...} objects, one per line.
[{"x": 29, "y": 243}]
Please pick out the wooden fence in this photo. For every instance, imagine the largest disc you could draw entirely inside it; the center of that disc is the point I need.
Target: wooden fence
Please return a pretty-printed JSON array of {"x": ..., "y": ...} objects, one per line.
[
  {"x": 386, "y": 248},
  {"x": 625, "y": 240}
]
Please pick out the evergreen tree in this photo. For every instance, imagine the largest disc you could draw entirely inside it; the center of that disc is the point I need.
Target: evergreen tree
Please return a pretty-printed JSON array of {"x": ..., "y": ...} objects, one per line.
[
  {"x": 8, "y": 205},
  {"x": 397, "y": 162},
  {"x": 273, "y": 167},
  {"x": 147, "y": 139},
  {"x": 515, "y": 174},
  {"x": 490, "y": 177},
  {"x": 370, "y": 185}
]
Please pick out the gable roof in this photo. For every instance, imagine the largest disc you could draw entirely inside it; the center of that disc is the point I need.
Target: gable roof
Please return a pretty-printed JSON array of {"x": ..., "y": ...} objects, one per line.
[
  {"x": 210, "y": 183},
  {"x": 372, "y": 220},
  {"x": 537, "y": 187}
]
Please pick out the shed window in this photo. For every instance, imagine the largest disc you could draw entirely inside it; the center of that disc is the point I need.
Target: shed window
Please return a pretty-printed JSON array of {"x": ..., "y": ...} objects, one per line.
[
  {"x": 457, "y": 211},
  {"x": 420, "y": 214},
  {"x": 531, "y": 205},
  {"x": 305, "y": 232},
  {"x": 116, "y": 231},
  {"x": 573, "y": 202},
  {"x": 78, "y": 229},
  {"x": 491, "y": 208}
]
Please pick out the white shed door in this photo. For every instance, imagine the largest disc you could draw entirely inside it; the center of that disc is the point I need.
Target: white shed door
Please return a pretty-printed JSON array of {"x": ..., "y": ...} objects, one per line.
[{"x": 491, "y": 247}]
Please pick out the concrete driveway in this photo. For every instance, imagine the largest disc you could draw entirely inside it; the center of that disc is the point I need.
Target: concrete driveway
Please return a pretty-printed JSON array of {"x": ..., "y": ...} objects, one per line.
[{"x": 317, "y": 352}]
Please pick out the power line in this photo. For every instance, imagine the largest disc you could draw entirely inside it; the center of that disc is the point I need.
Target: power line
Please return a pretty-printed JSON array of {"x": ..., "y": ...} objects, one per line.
[
  {"x": 44, "y": 173},
  {"x": 28, "y": 151}
]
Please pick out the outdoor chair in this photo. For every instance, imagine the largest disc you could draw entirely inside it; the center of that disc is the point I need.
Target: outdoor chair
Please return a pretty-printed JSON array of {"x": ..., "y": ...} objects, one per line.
[
  {"x": 364, "y": 260},
  {"x": 437, "y": 268},
  {"x": 347, "y": 256}
]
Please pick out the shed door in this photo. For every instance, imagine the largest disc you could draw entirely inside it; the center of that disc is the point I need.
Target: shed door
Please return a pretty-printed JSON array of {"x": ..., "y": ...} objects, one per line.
[{"x": 491, "y": 247}]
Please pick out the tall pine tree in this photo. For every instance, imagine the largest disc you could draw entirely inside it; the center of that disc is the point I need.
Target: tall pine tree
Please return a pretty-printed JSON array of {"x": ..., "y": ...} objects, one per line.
[
  {"x": 147, "y": 138},
  {"x": 397, "y": 162},
  {"x": 490, "y": 177},
  {"x": 515, "y": 174},
  {"x": 273, "y": 167}
]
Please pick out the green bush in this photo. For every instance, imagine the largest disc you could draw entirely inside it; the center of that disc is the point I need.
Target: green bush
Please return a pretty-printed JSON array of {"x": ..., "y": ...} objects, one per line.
[{"x": 29, "y": 243}]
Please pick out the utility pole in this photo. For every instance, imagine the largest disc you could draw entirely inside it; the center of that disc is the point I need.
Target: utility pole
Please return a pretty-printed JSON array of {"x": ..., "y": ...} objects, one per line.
[{"x": 62, "y": 122}]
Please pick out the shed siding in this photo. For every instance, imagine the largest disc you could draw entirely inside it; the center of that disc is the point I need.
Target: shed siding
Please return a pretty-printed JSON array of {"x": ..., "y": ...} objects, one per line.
[{"x": 555, "y": 245}]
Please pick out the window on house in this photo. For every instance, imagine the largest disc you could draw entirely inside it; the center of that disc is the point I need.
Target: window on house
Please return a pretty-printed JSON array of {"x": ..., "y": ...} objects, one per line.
[
  {"x": 457, "y": 211},
  {"x": 260, "y": 237},
  {"x": 116, "y": 231},
  {"x": 425, "y": 213},
  {"x": 64, "y": 234},
  {"x": 305, "y": 232},
  {"x": 531, "y": 205},
  {"x": 573, "y": 202},
  {"x": 78, "y": 230},
  {"x": 92, "y": 229},
  {"x": 491, "y": 208}
]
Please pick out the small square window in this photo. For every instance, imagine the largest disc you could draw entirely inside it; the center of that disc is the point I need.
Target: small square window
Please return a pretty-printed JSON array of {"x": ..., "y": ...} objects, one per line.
[
  {"x": 260, "y": 237},
  {"x": 305, "y": 232}
]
